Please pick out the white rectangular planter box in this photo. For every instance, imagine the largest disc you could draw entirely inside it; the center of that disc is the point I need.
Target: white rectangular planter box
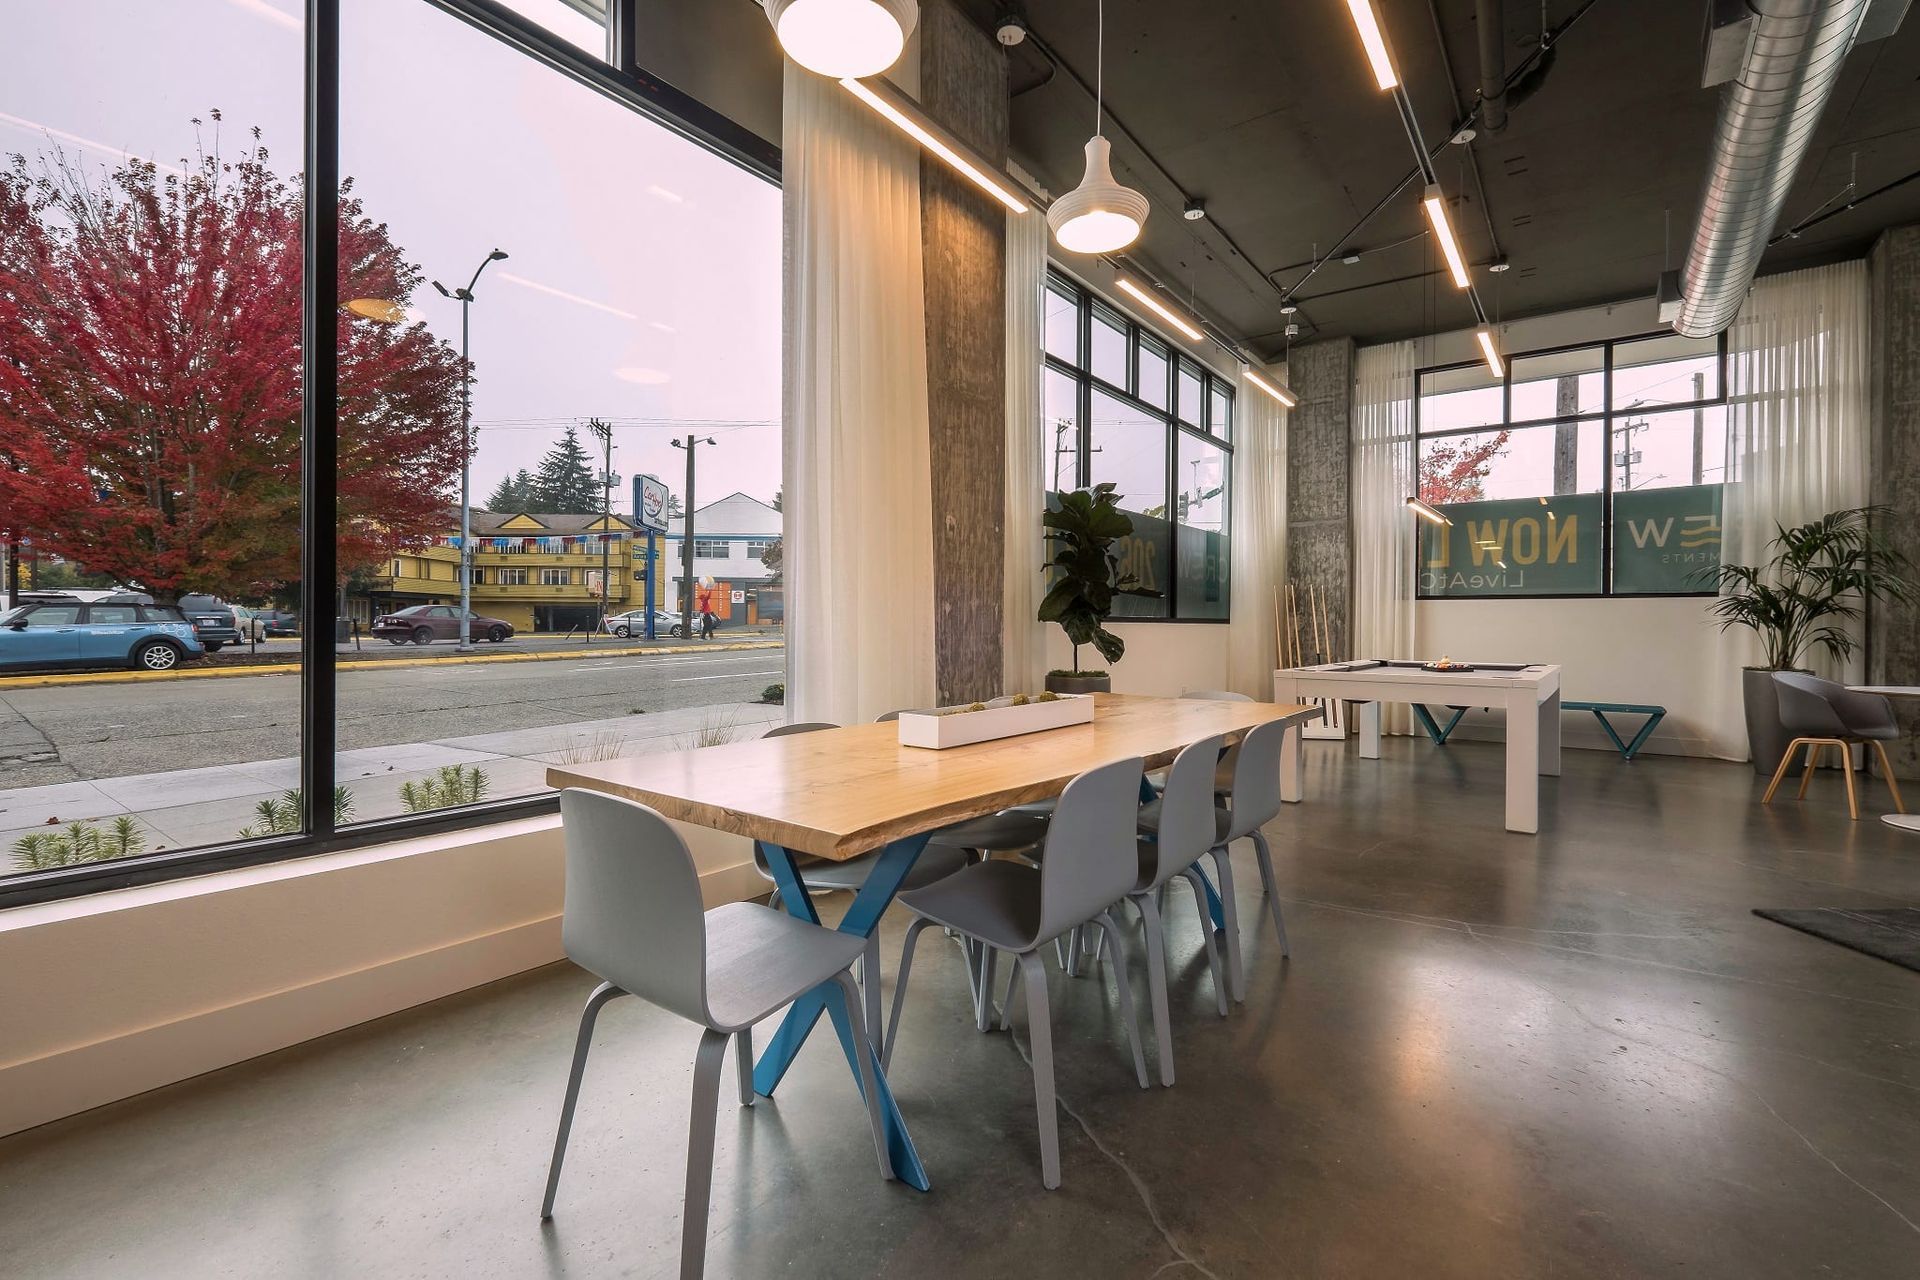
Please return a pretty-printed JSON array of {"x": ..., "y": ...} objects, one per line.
[{"x": 1001, "y": 719}]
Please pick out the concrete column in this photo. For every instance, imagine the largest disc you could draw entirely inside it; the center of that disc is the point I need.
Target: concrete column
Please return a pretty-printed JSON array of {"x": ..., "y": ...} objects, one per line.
[
  {"x": 1893, "y": 631},
  {"x": 963, "y": 85},
  {"x": 1319, "y": 527}
]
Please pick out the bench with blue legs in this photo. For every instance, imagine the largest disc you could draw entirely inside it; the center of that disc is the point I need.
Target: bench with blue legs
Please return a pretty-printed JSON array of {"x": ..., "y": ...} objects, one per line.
[{"x": 1440, "y": 733}]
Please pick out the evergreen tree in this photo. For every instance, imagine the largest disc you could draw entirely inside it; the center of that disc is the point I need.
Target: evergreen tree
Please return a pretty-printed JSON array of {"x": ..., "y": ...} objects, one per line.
[
  {"x": 506, "y": 498},
  {"x": 565, "y": 480}
]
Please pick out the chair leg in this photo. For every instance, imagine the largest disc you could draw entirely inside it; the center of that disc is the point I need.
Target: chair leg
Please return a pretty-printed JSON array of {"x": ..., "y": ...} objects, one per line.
[
  {"x": 1123, "y": 989},
  {"x": 1814, "y": 751},
  {"x": 1006, "y": 1005},
  {"x": 1199, "y": 884},
  {"x": 706, "y": 1101},
  {"x": 1148, "y": 905},
  {"x": 1853, "y": 793},
  {"x": 1230, "y": 925},
  {"x": 869, "y": 1088},
  {"x": 1264, "y": 856},
  {"x": 989, "y": 962},
  {"x": 581, "y": 1043},
  {"x": 900, "y": 990},
  {"x": 743, "y": 1063},
  {"x": 1886, "y": 771},
  {"x": 773, "y": 899},
  {"x": 1040, "y": 1037},
  {"x": 1786, "y": 762},
  {"x": 870, "y": 985}
]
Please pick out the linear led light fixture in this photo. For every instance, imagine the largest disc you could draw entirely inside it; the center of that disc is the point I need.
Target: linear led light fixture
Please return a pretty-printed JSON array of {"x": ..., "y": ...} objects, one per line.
[
  {"x": 1273, "y": 389},
  {"x": 1435, "y": 203},
  {"x": 907, "y": 116},
  {"x": 1425, "y": 512},
  {"x": 1490, "y": 350},
  {"x": 1368, "y": 24},
  {"x": 1159, "y": 308}
]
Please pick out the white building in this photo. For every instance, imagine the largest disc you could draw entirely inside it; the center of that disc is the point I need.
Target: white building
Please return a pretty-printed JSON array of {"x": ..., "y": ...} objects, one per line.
[{"x": 729, "y": 537}]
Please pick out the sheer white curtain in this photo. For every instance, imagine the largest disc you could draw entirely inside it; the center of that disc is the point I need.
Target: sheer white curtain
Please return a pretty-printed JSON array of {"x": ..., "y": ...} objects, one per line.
[
  {"x": 859, "y": 542},
  {"x": 1023, "y": 637},
  {"x": 1797, "y": 439},
  {"x": 1381, "y": 482},
  {"x": 1258, "y": 531}
]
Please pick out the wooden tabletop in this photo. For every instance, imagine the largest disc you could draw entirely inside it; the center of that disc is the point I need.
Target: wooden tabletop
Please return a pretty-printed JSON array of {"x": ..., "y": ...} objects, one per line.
[
  {"x": 1888, "y": 690},
  {"x": 839, "y": 792}
]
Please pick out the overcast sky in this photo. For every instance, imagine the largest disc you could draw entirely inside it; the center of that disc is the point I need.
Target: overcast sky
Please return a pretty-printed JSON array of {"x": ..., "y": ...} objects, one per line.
[{"x": 643, "y": 284}]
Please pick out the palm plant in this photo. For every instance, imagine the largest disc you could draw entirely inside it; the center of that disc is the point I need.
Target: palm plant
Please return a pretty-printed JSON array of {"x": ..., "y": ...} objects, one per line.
[
  {"x": 280, "y": 815},
  {"x": 453, "y": 784},
  {"x": 1814, "y": 587},
  {"x": 79, "y": 842},
  {"x": 1082, "y": 529}
]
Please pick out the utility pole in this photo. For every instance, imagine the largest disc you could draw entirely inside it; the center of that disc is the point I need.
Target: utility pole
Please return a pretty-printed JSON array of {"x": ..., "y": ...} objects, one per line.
[
  {"x": 1699, "y": 426},
  {"x": 690, "y": 444},
  {"x": 603, "y": 431},
  {"x": 465, "y": 299}
]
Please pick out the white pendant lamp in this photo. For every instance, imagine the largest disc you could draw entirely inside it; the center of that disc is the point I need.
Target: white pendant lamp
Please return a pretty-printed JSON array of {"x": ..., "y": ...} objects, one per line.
[
  {"x": 843, "y": 38},
  {"x": 1099, "y": 215}
]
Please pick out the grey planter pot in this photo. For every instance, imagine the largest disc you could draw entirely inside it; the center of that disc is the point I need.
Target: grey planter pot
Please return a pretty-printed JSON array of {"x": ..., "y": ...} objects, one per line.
[
  {"x": 1101, "y": 683},
  {"x": 1765, "y": 736}
]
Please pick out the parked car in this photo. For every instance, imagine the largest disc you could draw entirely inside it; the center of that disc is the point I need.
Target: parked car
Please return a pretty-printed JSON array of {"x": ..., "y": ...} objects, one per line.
[
  {"x": 49, "y": 633},
  {"x": 634, "y": 623},
  {"x": 278, "y": 622},
  {"x": 425, "y": 623},
  {"x": 213, "y": 621}
]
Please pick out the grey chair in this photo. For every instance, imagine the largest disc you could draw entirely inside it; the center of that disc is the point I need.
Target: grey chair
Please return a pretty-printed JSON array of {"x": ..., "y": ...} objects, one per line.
[
  {"x": 1185, "y": 827},
  {"x": 633, "y": 918},
  {"x": 1223, "y": 775},
  {"x": 1823, "y": 713},
  {"x": 1090, "y": 864}
]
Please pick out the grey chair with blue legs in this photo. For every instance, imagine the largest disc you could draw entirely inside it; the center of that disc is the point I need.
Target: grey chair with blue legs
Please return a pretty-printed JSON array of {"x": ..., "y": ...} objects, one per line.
[
  {"x": 633, "y": 917},
  {"x": 1090, "y": 864},
  {"x": 1253, "y": 800}
]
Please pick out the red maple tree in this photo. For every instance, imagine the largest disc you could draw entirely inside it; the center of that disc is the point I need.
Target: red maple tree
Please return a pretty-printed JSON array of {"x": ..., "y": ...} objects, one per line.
[
  {"x": 150, "y": 379},
  {"x": 1455, "y": 469}
]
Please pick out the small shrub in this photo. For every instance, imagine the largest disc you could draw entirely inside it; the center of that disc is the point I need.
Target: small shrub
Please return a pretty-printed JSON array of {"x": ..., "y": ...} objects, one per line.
[
  {"x": 1020, "y": 700},
  {"x": 79, "y": 842},
  {"x": 454, "y": 784},
  {"x": 281, "y": 816},
  {"x": 719, "y": 728},
  {"x": 774, "y": 693}
]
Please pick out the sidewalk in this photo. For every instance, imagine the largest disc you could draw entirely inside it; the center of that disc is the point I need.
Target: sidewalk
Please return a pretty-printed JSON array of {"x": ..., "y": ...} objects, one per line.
[{"x": 190, "y": 807}]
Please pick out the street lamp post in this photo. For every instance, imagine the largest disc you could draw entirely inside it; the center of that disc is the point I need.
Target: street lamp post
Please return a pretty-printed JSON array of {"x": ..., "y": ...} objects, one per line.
[{"x": 465, "y": 298}]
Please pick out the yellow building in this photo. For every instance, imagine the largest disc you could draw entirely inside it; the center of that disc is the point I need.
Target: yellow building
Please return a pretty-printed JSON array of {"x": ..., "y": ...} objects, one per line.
[{"x": 540, "y": 572}]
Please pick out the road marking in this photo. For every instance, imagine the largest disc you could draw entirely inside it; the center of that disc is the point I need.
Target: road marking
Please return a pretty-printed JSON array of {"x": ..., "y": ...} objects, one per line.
[{"x": 727, "y": 675}]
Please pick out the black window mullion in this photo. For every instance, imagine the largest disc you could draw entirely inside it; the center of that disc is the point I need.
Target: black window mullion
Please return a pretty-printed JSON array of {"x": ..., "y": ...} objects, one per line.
[
  {"x": 1606, "y": 474},
  {"x": 319, "y": 415}
]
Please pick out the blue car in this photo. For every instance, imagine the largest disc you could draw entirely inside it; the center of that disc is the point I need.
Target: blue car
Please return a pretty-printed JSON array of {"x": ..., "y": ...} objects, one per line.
[{"x": 43, "y": 634}]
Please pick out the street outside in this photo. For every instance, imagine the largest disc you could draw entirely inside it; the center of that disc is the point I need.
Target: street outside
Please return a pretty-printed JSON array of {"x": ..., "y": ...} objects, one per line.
[{"x": 191, "y": 758}]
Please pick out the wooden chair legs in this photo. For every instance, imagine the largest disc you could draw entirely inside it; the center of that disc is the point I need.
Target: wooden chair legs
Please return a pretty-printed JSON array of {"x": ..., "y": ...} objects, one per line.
[{"x": 1816, "y": 748}]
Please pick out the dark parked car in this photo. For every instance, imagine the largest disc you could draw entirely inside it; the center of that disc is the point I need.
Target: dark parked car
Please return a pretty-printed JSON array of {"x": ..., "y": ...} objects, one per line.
[
  {"x": 46, "y": 633},
  {"x": 277, "y": 622},
  {"x": 212, "y": 620},
  {"x": 425, "y": 623}
]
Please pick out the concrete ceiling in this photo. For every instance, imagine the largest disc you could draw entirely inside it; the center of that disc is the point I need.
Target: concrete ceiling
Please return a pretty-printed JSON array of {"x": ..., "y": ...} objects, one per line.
[{"x": 1266, "y": 111}]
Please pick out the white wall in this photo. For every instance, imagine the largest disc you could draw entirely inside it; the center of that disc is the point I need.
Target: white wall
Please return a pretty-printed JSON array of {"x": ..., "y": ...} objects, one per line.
[{"x": 1165, "y": 659}]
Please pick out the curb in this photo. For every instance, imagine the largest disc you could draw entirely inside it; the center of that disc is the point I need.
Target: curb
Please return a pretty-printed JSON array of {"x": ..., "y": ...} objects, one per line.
[{"x": 363, "y": 664}]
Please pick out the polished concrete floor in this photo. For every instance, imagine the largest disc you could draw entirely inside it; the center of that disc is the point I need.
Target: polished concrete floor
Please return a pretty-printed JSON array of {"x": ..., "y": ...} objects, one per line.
[{"x": 1490, "y": 1055}]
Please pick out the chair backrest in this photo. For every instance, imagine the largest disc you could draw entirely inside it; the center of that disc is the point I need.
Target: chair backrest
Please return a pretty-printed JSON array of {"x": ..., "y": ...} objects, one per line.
[
  {"x": 805, "y": 726},
  {"x": 1186, "y": 812},
  {"x": 1215, "y": 695},
  {"x": 1092, "y": 853},
  {"x": 1256, "y": 778},
  {"x": 633, "y": 912},
  {"x": 1806, "y": 704},
  {"x": 886, "y": 717}
]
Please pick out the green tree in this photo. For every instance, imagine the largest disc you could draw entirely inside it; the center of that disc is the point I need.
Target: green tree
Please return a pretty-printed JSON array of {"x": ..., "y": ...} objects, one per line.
[
  {"x": 565, "y": 480},
  {"x": 514, "y": 493}
]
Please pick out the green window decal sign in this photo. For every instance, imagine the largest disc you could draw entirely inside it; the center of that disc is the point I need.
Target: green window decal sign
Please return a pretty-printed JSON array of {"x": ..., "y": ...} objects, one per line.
[
  {"x": 1514, "y": 547},
  {"x": 1666, "y": 540}
]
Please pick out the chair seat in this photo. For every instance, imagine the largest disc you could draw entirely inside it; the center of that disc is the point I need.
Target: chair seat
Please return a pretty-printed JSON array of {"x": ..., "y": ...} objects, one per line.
[
  {"x": 1001, "y": 832},
  {"x": 934, "y": 863},
  {"x": 759, "y": 959},
  {"x": 995, "y": 901}
]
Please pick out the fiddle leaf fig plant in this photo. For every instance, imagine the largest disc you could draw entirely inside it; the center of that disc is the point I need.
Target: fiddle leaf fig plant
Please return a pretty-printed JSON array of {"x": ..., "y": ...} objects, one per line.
[{"x": 1082, "y": 528}]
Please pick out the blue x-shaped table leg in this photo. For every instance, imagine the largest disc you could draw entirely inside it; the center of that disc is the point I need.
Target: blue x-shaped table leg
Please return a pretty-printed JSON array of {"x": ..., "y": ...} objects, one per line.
[{"x": 862, "y": 918}]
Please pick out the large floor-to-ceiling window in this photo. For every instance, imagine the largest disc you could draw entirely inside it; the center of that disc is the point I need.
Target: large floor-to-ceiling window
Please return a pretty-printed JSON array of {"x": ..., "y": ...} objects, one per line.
[{"x": 174, "y": 693}]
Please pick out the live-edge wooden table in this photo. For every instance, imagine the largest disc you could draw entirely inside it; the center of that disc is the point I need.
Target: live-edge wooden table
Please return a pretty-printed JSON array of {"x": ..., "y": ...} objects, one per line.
[{"x": 838, "y": 793}]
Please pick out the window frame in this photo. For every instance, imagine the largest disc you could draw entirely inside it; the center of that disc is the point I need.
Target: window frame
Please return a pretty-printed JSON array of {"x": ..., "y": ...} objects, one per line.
[
  {"x": 1605, "y": 416},
  {"x": 1086, "y": 382},
  {"x": 618, "y": 77}
]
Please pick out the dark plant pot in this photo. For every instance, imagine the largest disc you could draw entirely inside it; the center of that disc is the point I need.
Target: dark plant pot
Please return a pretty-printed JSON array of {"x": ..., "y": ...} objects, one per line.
[
  {"x": 1766, "y": 738},
  {"x": 1096, "y": 682}
]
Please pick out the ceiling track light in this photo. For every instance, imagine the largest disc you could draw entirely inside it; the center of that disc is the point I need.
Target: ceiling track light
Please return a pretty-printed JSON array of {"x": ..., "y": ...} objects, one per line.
[
  {"x": 1099, "y": 215},
  {"x": 1490, "y": 351},
  {"x": 1434, "y": 201},
  {"x": 843, "y": 38},
  {"x": 905, "y": 114},
  {"x": 1374, "y": 39},
  {"x": 1273, "y": 389},
  {"x": 1428, "y": 513},
  {"x": 1196, "y": 210},
  {"x": 1146, "y": 299}
]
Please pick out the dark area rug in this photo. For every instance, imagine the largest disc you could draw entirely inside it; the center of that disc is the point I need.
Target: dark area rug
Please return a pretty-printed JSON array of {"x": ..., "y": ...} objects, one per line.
[{"x": 1890, "y": 934}]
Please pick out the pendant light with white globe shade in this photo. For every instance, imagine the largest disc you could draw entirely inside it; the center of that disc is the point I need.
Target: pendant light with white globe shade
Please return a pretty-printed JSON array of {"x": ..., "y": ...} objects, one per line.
[
  {"x": 843, "y": 38},
  {"x": 1099, "y": 215}
]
